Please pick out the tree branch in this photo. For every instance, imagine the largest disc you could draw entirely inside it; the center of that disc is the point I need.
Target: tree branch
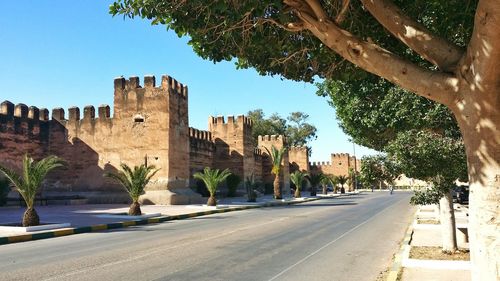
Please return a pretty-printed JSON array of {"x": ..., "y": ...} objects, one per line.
[
  {"x": 437, "y": 86},
  {"x": 479, "y": 67},
  {"x": 341, "y": 15},
  {"x": 434, "y": 49}
]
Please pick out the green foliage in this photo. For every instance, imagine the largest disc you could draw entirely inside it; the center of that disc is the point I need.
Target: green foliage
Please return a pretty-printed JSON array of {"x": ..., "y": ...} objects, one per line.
[
  {"x": 246, "y": 31},
  {"x": 341, "y": 180},
  {"x": 298, "y": 179},
  {"x": 212, "y": 178},
  {"x": 425, "y": 155},
  {"x": 232, "y": 182},
  {"x": 296, "y": 129},
  {"x": 316, "y": 179},
  {"x": 134, "y": 180},
  {"x": 29, "y": 181},
  {"x": 276, "y": 158},
  {"x": 378, "y": 168},
  {"x": 4, "y": 190},
  {"x": 251, "y": 185},
  {"x": 373, "y": 111}
]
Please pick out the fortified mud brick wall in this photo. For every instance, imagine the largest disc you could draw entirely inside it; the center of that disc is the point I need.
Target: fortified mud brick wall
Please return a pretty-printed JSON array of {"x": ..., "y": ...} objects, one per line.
[
  {"x": 150, "y": 125},
  {"x": 299, "y": 159},
  {"x": 278, "y": 142},
  {"x": 339, "y": 166},
  {"x": 23, "y": 130},
  {"x": 233, "y": 145},
  {"x": 201, "y": 152}
]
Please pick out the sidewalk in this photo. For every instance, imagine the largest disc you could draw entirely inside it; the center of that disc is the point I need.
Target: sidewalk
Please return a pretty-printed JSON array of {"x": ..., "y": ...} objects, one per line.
[
  {"x": 88, "y": 218},
  {"x": 409, "y": 269}
]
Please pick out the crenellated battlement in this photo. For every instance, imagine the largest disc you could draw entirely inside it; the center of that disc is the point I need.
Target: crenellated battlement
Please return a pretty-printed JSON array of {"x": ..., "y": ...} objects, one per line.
[
  {"x": 272, "y": 138},
  {"x": 200, "y": 135},
  {"x": 340, "y": 155},
  {"x": 167, "y": 83},
  {"x": 298, "y": 149},
  {"x": 23, "y": 112},
  {"x": 240, "y": 119},
  {"x": 320, "y": 164}
]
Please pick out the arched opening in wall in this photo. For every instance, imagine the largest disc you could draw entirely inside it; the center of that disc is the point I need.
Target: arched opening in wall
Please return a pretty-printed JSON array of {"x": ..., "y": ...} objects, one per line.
[{"x": 138, "y": 118}]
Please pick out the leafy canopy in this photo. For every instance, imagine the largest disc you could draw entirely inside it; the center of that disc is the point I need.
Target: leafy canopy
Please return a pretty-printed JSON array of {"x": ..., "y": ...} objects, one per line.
[
  {"x": 134, "y": 180},
  {"x": 253, "y": 33},
  {"x": 295, "y": 128},
  {"x": 32, "y": 176}
]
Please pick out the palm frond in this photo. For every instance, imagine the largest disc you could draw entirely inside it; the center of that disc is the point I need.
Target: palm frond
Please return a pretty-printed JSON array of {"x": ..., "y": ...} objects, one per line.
[
  {"x": 134, "y": 180},
  {"x": 212, "y": 178},
  {"x": 32, "y": 176}
]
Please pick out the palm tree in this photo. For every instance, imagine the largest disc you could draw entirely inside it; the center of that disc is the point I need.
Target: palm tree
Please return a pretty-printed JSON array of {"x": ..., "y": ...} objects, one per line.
[
  {"x": 334, "y": 181},
  {"x": 297, "y": 179},
  {"x": 324, "y": 183},
  {"x": 315, "y": 180},
  {"x": 276, "y": 159},
  {"x": 212, "y": 179},
  {"x": 134, "y": 182},
  {"x": 342, "y": 180},
  {"x": 28, "y": 183}
]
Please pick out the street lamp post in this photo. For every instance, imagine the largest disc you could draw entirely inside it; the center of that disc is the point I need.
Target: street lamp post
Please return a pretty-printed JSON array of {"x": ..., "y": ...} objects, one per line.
[{"x": 355, "y": 166}]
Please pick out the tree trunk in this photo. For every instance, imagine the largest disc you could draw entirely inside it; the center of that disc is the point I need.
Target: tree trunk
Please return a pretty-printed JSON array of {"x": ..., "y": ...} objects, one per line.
[
  {"x": 135, "y": 209},
  {"x": 277, "y": 189},
  {"x": 30, "y": 217},
  {"x": 479, "y": 121},
  {"x": 324, "y": 190},
  {"x": 313, "y": 191},
  {"x": 447, "y": 218},
  {"x": 297, "y": 193},
  {"x": 211, "y": 201}
]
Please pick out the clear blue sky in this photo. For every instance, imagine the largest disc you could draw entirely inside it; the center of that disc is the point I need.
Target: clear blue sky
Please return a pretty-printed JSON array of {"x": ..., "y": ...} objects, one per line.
[{"x": 66, "y": 53}]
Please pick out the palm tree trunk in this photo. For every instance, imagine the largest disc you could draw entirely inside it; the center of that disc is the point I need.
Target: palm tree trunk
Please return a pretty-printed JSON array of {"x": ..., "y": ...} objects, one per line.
[
  {"x": 135, "y": 209},
  {"x": 447, "y": 218},
  {"x": 277, "y": 189},
  {"x": 30, "y": 217},
  {"x": 297, "y": 193},
  {"x": 211, "y": 201},
  {"x": 324, "y": 190}
]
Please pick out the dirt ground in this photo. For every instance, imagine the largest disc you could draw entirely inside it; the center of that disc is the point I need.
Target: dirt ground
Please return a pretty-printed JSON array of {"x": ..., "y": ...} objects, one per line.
[{"x": 435, "y": 253}]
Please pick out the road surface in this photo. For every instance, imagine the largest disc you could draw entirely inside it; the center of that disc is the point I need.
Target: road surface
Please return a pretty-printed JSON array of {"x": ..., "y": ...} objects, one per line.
[{"x": 349, "y": 238}]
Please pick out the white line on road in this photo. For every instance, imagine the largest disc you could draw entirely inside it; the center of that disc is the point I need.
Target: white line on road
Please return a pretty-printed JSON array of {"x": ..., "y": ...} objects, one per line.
[{"x": 333, "y": 241}]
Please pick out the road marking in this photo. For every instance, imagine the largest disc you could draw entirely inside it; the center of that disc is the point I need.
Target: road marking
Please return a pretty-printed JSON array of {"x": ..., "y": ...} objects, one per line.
[
  {"x": 333, "y": 241},
  {"x": 149, "y": 253}
]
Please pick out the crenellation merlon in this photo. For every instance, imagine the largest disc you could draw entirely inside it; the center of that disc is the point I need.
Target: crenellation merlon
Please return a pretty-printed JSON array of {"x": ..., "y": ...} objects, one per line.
[
  {"x": 104, "y": 111},
  {"x": 74, "y": 113},
  {"x": 44, "y": 114},
  {"x": 174, "y": 86},
  {"x": 21, "y": 110},
  {"x": 7, "y": 108},
  {"x": 33, "y": 113},
  {"x": 88, "y": 112},
  {"x": 167, "y": 83},
  {"x": 58, "y": 114}
]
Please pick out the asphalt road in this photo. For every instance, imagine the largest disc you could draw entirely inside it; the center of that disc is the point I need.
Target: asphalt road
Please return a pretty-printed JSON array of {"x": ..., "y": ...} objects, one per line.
[{"x": 350, "y": 238}]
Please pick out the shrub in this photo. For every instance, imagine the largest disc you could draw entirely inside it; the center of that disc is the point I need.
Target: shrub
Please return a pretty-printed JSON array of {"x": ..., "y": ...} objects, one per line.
[{"x": 232, "y": 182}]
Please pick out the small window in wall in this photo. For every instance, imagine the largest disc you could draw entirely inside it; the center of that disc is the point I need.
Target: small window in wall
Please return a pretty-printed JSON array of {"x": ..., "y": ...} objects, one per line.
[
  {"x": 340, "y": 163},
  {"x": 138, "y": 118}
]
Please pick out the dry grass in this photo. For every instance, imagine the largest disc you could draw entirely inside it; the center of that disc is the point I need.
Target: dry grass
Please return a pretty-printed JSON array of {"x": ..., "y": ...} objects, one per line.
[
  {"x": 428, "y": 221},
  {"x": 435, "y": 253}
]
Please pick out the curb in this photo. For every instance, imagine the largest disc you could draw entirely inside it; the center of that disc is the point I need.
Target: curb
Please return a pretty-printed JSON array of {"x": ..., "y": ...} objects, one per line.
[
  {"x": 398, "y": 258},
  {"x": 160, "y": 219}
]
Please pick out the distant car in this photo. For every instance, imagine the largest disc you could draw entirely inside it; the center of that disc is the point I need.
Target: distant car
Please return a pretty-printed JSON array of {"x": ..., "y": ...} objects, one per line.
[{"x": 462, "y": 194}]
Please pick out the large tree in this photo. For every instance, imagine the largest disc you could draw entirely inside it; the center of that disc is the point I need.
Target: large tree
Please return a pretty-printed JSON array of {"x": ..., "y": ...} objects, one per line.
[
  {"x": 457, "y": 43},
  {"x": 421, "y": 137},
  {"x": 295, "y": 128}
]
